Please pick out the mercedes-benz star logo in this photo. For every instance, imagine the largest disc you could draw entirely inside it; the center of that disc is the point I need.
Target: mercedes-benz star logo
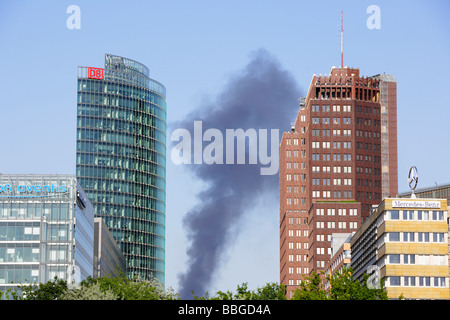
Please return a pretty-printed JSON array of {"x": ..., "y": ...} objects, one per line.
[{"x": 413, "y": 178}]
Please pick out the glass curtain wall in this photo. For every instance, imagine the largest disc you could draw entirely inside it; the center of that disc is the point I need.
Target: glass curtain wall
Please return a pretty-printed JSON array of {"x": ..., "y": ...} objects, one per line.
[{"x": 121, "y": 159}]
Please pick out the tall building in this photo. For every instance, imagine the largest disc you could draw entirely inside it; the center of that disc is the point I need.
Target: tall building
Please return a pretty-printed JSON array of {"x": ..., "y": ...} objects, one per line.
[
  {"x": 334, "y": 163},
  {"x": 108, "y": 259},
  {"x": 121, "y": 158},
  {"x": 46, "y": 230}
]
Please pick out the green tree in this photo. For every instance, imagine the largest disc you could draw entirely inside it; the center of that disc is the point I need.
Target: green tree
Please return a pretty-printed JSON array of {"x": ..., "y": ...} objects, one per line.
[
  {"x": 125, "y": 289},
  {"x": 344, "y": 287},
  {"x": 311, "y": 288},
  {"x": 106, "y": 288},
  {"x": 90, "y": 292},
  {"x": 51, "y": 290},
  {"x": 271, "y": 291}
]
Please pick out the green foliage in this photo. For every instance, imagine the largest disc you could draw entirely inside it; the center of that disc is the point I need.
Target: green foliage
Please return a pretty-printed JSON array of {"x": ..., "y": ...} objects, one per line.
[
  {"x": 106, "y": 288},
  {"x": 51, "y": 290},
  {"x": 343, "y": 287},
  {"x": 135, "y": 289},
  {"x": 311, "y": 289},
  {"x": 90, "y": 292},
  {"x": 271, "y": 291}
]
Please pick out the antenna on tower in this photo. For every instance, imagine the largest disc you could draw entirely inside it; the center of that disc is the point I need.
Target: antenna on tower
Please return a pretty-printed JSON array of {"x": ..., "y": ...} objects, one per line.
[{"x": 342, "y": 40}]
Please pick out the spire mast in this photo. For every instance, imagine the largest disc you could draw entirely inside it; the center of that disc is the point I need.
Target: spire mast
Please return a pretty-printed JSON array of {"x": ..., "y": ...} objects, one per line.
[{"x": 342, "y": 40}]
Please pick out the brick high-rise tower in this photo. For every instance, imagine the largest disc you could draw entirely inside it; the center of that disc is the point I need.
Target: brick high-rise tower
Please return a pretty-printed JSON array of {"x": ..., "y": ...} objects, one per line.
[{"x": 339, "y": 159}]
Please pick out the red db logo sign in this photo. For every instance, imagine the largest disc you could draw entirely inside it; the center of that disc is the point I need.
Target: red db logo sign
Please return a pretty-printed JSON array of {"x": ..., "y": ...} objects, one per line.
[{"x": 95, "y": 73}]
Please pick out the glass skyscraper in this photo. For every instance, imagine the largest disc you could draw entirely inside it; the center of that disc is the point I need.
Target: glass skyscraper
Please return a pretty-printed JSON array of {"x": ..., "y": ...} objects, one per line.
[
  {"x": 121, "y": 158},
  {"x": 46, "y": 230}
]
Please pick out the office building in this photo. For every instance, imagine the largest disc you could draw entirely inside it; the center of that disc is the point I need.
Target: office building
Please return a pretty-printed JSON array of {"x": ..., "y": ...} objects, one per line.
[
  {"x": 338, "y": 159},
  {"x": 404, "y": 244},
  {"x": 108, "y": 259},
  {"x": 121, "y": 158},
  {"x": 437, "y": 191},
  {"x": 46, "y": 230},
  {"x": 340, "y": 256}
]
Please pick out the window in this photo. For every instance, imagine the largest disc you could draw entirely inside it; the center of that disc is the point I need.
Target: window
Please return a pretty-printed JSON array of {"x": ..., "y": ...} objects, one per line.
[
  {"x": 409, "y": 259},
  {"x": 393, "y": 215},
  {"x": 394, "y": 281},
  {"x": 408, "y": 236},
  {"x": 424, "y": 281},
  {"x": 438, "y": 237},
  {"x": 408, "y": 215},
  {"x": 438, "y": 215},
  {"x": 423, "y": 237},
  {"x": 422, "y": 215},
  {"x": 394, "y": 258},
  {"x": 394, "y": 236},
  {"x": 409, "y": 281},
  {"x": 439, "y": 281}
]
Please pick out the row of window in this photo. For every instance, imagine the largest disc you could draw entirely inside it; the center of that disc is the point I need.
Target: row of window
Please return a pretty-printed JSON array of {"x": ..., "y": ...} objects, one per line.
[
  {"x": 289, "y": 165},
  {"x": 340, "y": 224},
  {"x": 27, "y": 231},
  {"x": 123, "y": 162},
  {"x": 295, "y": 153},
  {"x": 327, "y": 169},
  {"x": 367, "y": 134},
  {"x": 326, "y": 132},
  {"x": 436, "y": 237},
  {"x": 419, "y": 259},
  {"x": 109, "y": 148},
  {"x": 121, "y": 89},
  {"x": 327, "y": 182},
  {"x": 298, "y": 270},
  {"x": 326, "y": 120},
  {"x": 298, "y": 257},
  {"x": 294, "y": 177},
  {"x": 340, "y": 211},
  {"x": 367, "y": 122},
  {"x": 296, "y": 189},
  {"x": 297, "y": 220},
  {"x": 51, "y": 211},
  {"x": 416, "y": 281},
  {"x": 334, "y": 108},
  {"x": 298, "y": 233},
  {"x": 336, "y": 157},
  {"x": 415, "y": 215},
  {"x": 121, "y": 174},
  {"x": 367, "y": 196},
  {"x": 336, "y": 194}
]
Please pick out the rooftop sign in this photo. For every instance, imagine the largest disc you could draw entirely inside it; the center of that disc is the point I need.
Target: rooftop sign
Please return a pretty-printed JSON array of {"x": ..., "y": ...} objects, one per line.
[
  {"x": 416, "y": 204},
  {"x": 95, "y": 73},
  {"x": 31, "y": 191}
]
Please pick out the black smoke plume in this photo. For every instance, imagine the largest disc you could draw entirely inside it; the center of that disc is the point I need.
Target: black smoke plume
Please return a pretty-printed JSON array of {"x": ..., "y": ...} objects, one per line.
[{"x": 261, "y": 96}]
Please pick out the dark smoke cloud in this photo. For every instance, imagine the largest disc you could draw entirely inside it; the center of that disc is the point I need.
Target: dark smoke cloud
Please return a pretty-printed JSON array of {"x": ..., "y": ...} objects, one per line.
[{"x": 261, "y": 96}]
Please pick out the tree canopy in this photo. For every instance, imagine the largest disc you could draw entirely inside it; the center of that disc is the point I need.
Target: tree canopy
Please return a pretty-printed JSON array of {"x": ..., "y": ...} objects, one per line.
[{"x": 343, "y": 287}]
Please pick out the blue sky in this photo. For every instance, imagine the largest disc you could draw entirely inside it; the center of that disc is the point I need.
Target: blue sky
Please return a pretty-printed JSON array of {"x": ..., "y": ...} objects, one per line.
[{"x": 193, "y": 48}]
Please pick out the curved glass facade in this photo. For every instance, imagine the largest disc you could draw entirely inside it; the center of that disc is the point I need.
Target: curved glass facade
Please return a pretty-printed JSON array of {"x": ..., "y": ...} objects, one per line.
[{"x": 121, "y": 159}]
